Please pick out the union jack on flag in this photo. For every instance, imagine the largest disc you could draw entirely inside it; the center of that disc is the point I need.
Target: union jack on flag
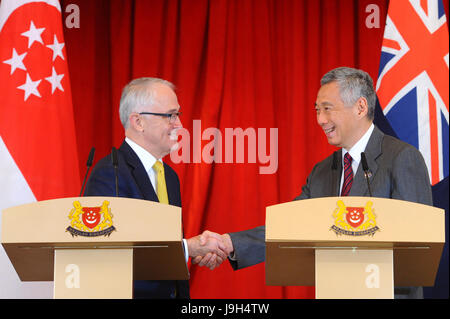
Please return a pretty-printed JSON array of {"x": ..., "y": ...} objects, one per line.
[{"x": 413, "y": 79}]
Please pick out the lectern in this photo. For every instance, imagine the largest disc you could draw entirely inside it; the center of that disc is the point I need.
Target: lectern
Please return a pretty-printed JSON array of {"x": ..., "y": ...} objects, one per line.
[
  {"x": 353, "y": 247},
  {"x": 94, "y": 247}
]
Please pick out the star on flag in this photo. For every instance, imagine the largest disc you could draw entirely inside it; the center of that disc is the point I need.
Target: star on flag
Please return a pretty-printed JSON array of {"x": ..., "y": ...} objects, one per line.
[
  {"x": 57, "y": 48},
  {"x": 55, "y": 80},
  {"x": 16, "y": 61},
  {"x": 33, "y": 34},
  {"x": 30, "y": 87}
]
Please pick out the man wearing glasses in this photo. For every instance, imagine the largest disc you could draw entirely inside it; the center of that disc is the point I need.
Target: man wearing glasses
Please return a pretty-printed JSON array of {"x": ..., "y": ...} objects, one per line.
[{"x": 149, "y": 112}]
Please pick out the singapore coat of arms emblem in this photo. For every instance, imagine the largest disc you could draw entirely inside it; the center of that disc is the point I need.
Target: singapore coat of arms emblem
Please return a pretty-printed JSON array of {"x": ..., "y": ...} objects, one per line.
[
  {"x": 90, "y": 221},
  {"x": 354, "y": 221}
]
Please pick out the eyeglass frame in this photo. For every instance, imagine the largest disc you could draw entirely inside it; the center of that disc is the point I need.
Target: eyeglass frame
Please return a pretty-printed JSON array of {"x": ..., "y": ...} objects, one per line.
[{"x": 171, "y": 116}]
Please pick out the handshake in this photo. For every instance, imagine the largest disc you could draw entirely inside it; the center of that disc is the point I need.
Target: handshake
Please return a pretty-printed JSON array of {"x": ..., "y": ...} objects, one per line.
[{"x": 209, "y": 249}]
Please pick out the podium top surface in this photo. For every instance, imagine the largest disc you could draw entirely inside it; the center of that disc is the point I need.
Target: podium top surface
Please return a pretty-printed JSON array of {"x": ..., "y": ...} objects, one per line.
[
  {"x": 378, "y": 220},
  {"x": 107, "y": 219}
]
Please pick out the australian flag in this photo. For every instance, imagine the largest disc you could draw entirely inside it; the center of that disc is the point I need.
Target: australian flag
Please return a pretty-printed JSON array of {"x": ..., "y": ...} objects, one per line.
[{"x": 413, "y": 93}]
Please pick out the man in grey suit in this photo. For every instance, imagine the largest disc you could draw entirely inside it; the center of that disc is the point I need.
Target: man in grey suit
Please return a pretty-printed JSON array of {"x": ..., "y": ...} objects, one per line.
[{"x": 345, "y": 109}]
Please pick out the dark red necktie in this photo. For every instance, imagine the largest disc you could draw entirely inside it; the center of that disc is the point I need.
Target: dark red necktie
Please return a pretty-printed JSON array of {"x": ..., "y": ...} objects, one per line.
[{"x": 348, "y": 175}]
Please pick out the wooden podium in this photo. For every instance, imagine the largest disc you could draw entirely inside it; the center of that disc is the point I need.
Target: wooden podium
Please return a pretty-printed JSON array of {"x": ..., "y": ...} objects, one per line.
[
  {"x": 353, "y": 247},
  {"x": 94, "y": 247}
]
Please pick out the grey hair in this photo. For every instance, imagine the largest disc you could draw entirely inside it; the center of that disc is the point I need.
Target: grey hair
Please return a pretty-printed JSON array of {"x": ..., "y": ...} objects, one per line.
[
  {"x": 353, "y": 84},
  {"x": 137, "y": 94}
]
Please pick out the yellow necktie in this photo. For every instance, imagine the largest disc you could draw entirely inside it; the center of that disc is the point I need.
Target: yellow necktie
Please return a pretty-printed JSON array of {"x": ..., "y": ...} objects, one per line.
[{"x": 161, "y": 189}]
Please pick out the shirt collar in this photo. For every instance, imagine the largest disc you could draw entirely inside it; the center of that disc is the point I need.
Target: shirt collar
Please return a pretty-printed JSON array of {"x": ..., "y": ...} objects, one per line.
[
  {"x": 147, "y": 159},
  {"x": 360, "y": 146}
]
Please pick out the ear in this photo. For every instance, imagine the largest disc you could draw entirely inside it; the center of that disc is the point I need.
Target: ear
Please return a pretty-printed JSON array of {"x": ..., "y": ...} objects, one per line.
[
  {"x": 135, "y": 121},
  {"x": 362, "y": 106}
]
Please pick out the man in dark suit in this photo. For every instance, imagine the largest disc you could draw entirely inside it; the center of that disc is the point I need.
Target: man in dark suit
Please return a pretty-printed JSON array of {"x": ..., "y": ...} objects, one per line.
[
  {"x": 345, "y": 107},
  {"x": 149, "y": 112}
]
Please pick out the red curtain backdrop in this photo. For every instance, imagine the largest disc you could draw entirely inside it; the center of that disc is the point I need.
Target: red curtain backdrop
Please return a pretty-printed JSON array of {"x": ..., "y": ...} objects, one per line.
[{"x": 235, "y": 63}]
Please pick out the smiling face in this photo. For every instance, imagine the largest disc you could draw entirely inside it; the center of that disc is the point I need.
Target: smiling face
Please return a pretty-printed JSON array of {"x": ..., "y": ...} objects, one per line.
[
  {"x": 159, "y": 133},
  {"x": 342, "y": 124},
  {"x": 156, "y": 134}
]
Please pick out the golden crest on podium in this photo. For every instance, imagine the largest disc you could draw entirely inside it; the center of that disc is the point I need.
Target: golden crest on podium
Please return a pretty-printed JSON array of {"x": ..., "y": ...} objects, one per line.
[
  {"x": 90, "y": 221},
  {"x": 354, "y": 221}
]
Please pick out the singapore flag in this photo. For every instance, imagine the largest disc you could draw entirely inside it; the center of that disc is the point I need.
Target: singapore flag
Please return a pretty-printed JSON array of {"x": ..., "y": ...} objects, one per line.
[{"x": 38, "y": 151}]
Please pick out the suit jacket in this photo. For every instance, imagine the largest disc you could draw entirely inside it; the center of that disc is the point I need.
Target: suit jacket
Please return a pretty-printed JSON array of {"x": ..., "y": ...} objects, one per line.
[
  {"x": 398, "y": 171},
  {"x": 133, "y": 182}
]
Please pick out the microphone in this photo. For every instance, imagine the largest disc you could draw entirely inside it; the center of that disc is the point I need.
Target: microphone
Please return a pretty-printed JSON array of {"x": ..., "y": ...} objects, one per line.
[
  {"x": 88, "y": 164},
  {"x": 115, "y": 163},
  {"x": 367, "y": 172}
]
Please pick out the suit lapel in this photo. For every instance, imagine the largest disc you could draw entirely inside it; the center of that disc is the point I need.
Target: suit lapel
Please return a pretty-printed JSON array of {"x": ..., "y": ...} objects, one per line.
[
  {"x": 372, "y": 151},
  {"x": 359, "y": 186},
  {"x": 138, "y": 172}
]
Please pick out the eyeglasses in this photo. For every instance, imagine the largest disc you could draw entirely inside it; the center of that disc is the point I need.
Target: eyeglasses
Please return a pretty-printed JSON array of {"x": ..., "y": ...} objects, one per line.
[{"x": 171, "y": 116}]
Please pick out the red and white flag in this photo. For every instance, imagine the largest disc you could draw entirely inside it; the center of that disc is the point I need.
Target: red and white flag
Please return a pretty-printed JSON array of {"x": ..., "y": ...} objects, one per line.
[{"x": 38, "y": 151}]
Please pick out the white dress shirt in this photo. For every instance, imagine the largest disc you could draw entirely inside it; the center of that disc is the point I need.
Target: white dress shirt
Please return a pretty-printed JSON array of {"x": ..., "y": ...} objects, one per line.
[
  {"x": 148, "y": 160},
  {"x": 355, "y": 153}
]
